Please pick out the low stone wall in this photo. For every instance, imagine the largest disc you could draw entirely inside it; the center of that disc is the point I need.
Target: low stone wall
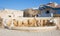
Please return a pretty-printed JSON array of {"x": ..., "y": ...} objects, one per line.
[{"x": 26, "y": 21}]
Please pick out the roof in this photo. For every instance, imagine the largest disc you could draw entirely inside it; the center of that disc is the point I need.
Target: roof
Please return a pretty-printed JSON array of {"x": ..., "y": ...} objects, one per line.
[
  {"x": 52, "y": 5},
  {"x": 57, "y": 7}
]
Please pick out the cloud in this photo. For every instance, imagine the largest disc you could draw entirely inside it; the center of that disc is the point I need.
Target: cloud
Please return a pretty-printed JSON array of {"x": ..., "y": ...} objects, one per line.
[{"x": 35, "y": 8}]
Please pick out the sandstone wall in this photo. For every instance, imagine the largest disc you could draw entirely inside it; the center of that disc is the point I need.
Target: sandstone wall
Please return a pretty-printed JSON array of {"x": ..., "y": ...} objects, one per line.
[{"x": 57, "y": 21}]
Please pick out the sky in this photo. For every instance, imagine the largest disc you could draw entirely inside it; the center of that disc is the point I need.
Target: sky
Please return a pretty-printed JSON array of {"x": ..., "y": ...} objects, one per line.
[{"x": 23, "y": 4}]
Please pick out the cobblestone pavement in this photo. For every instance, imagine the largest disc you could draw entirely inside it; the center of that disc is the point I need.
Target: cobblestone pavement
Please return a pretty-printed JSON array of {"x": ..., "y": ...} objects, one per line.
[{"x": 6, "y": 32}]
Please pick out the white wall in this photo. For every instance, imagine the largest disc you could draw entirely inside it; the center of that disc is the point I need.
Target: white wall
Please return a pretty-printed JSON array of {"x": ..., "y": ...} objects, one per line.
[{"x": 14, "y": 13}]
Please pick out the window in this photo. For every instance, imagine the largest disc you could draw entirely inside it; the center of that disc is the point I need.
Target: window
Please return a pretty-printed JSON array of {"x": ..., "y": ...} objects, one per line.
[
  {"x": 9, "y": 15},
  {"x": 47, "y": 12}
]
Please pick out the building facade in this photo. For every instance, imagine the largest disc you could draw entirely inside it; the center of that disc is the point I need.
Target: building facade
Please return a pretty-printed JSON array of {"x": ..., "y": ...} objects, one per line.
[{"x": 46, "y": 10}]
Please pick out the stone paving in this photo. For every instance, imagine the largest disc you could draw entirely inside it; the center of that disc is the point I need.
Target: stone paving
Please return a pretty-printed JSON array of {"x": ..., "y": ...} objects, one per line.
[{"x": 6, "y": 32}]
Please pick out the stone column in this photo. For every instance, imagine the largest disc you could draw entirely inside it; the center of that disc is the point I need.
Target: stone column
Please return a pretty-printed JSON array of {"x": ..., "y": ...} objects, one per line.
[
  {"x": 1, "y": 22},
  {"x": 45, "y": 22},
  {"x": 41, "y": 22}
]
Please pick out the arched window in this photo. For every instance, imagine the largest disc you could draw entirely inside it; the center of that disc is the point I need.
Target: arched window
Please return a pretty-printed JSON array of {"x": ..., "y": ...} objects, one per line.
[{"x": 47, "y": 12}]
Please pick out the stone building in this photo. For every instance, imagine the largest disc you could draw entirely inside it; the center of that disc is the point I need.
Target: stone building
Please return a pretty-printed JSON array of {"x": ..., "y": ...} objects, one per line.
[
  {"x": 7, "y": 13},
  {"x": 50, "y": 10},
  {"x": 31, "y": 12}
]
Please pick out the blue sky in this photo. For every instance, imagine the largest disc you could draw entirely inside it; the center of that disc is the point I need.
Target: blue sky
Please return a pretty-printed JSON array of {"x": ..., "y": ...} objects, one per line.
[{"x": 23, "y": 4}]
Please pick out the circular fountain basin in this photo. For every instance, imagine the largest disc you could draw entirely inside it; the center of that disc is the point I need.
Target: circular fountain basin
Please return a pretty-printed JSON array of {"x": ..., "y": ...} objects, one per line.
[{"x": 46, "y": 28}]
